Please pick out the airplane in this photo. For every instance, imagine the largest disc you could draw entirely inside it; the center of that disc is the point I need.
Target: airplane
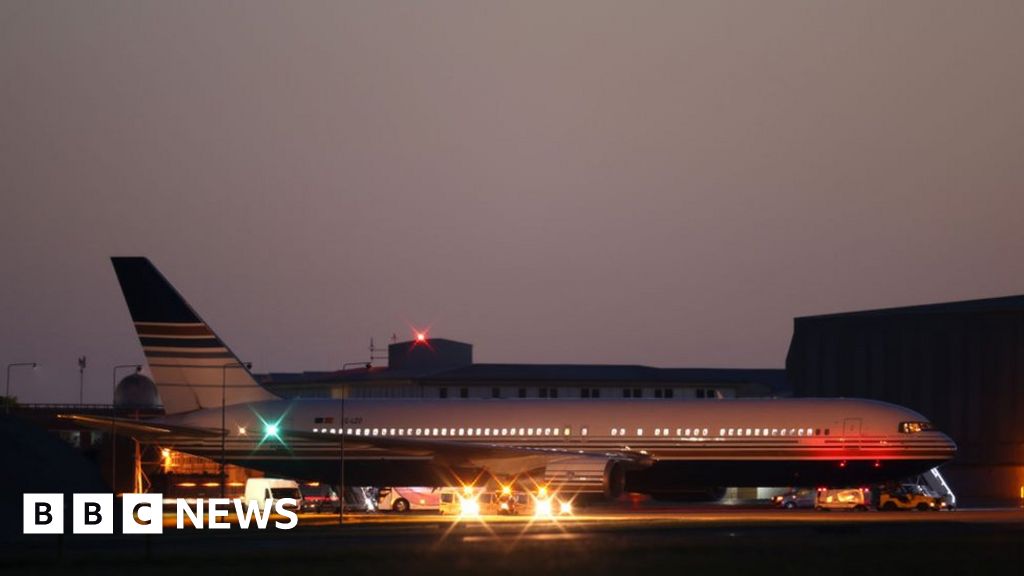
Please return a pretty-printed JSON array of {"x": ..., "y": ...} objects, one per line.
[{"x": 214, "y": 406}]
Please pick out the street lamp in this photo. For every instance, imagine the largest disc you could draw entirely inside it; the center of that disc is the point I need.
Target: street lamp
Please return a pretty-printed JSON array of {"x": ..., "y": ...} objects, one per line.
[
  {"x": 223, "y": 425},
  {"x": 7, "y": 394},
  {"x": 81, "y": 380},
  {"x": 113, "y": 425}
]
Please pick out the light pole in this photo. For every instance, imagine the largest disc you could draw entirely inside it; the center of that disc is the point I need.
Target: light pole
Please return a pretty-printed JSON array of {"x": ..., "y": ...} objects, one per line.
[
  {"x": 113, "y": 425},
  {"x": 7, "y": 395},
  {"x": 223, "y": 426},
  {"x": 81, "y": 380}
]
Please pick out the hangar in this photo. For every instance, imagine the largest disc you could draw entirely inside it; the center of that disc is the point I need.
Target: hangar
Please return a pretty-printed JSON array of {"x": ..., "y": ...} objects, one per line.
[{"x": 961, "y": 364}]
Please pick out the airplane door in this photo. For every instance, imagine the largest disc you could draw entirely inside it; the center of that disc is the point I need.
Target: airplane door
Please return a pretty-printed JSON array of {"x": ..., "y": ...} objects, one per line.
[{"x": 851, "y": 427}]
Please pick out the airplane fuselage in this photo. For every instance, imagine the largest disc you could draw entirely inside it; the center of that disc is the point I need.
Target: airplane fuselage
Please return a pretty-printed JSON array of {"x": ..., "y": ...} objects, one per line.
[{"x": 749, "y": 442}]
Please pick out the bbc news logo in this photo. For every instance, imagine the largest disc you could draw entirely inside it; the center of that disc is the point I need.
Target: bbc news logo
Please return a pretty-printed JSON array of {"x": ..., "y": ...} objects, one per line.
[{"x": 143, "y": 513}]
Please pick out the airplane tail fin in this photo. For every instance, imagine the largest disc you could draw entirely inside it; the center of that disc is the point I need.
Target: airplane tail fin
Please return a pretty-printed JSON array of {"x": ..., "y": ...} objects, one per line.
[{"x": 191, "y": 367}]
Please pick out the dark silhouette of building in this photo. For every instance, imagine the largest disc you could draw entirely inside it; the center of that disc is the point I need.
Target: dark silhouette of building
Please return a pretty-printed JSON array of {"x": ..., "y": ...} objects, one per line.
[{"x": 960, "y": 364}]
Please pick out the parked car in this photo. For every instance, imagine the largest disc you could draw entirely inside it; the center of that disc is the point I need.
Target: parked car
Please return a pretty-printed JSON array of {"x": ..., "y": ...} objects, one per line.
[
  {"x": 319, "y": 497},
  {"x": 796, "y": 498}
]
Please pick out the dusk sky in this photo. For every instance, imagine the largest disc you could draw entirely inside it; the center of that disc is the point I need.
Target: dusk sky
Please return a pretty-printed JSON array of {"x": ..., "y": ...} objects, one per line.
[{"x": 660, "y": 183}]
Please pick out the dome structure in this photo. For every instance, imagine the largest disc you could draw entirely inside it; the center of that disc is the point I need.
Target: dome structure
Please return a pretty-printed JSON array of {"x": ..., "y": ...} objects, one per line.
[{"x": 136, "y": 391}]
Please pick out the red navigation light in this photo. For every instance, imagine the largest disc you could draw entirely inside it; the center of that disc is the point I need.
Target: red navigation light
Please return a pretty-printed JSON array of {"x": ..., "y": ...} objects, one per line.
[
  {"x": 878, "y": 463},
  {"x": 842, "y": 464},
  {"x": 421, "y": 337}
]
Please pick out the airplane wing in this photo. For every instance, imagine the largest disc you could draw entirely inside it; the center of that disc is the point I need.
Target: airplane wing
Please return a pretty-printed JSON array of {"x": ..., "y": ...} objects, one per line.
[{"x": 140, "y": 429}]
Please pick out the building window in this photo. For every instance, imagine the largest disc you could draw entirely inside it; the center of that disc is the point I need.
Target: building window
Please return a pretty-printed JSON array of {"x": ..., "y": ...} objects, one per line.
[
  {"x": 522, "y": 392},
  {"x": 657, "y": 392},
  {"x": 442, "y": 392},
  {"x": 584, "y": 392},
  {"x": 554, "y": 392},
  {"x": 700, "y": 392},
  {"x": 595, "y": 393},
  {"x": 542, "y": 392},
  {"x": 463, "y": 392},
  {"x": 626, "y": 393},
  {"x": 495, "y": 392},
  {"x": 669, "y": 393}
]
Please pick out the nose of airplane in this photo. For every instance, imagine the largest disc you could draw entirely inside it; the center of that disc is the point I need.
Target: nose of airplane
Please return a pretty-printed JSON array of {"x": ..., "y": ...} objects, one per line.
[{"x": 948, "y": 444}]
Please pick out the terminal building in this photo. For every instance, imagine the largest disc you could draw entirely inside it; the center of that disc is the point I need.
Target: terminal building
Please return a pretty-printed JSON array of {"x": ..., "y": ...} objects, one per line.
[{"x": 440, "y": 368}]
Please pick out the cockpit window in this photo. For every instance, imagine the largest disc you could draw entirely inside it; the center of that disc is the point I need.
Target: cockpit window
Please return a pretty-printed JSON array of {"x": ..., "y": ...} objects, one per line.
[{"x": 914, "y": 427}]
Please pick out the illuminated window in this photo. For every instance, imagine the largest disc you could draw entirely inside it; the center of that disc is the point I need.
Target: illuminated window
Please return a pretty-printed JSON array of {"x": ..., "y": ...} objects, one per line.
[
  {"x": 392, "y": 432},
  {"x": 639, "y": 431},
  {"x": 775, "y": 431},
  {"x": 444, "y": 431},
  {"x": 348, "y": 431},
  {"x": 748, "y": 432},
  {"x": 782, "y": 431},
  {"x": 401, "y": 431},
  {"x": 764, "y": 432},
  {"x": 757, "y": 431},
  {"x": 522, "y": 432},
  {"x": 487, "y": 431},
  {"x": 705, "y": 432},
  {"x": 721, "y": 432},
  {"x": 730, "y": 431},
  {"x": 800, "y": 432},
  {"x": 478, "y": 432},
  {"x": 810, "y": 431},
  {"x": 567, "y": 431},
  {"x": 657, "y": 431},
  {"x": 583, "y": 431},
  {"x": 529, "y": 431},
  {"x": 686, "y": 432},
  {"x": 615, "y": 431},
  {"x": 504, "y": 431},
  {"x": 462, "y": 431},
  {"x": 435, "y": 432}
]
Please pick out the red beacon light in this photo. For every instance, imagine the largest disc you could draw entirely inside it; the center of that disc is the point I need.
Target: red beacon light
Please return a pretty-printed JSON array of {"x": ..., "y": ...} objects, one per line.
[{"x": 421, "y": 337}]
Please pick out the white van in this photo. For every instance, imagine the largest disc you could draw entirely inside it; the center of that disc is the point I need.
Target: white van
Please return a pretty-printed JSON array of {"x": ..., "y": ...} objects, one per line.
[{"x": 262, "y": 489}]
